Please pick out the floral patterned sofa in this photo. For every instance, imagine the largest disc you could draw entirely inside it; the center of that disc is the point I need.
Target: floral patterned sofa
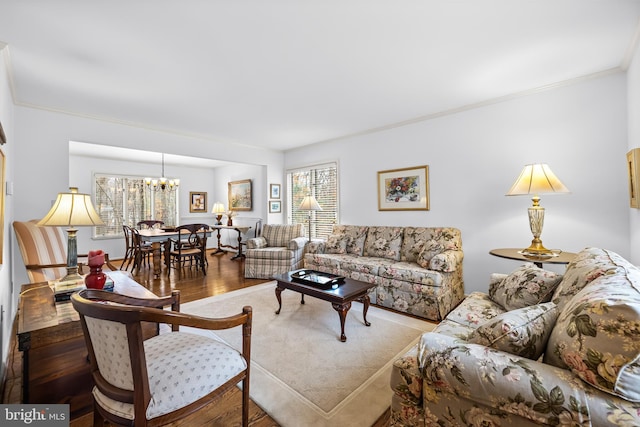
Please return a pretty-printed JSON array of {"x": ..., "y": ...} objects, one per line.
[
  {"x": 539, "y": 348},
  {"x": 417, "y": 270}
]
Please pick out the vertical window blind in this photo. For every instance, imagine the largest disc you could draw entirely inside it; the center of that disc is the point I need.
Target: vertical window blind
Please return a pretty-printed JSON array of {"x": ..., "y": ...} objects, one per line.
[
  {"x": 320, "y": 181},
  {"x": 126, "y": 200}
]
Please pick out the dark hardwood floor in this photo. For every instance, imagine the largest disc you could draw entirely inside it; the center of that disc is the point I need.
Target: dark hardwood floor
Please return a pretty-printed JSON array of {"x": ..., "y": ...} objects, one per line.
[{"x": 60, "y": 373}]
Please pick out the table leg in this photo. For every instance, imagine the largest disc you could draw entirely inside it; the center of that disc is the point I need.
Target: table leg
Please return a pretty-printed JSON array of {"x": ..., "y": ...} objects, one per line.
[
  {"x": 219, "y": 249},
  {"x": 342, "y": 310},
  {"x": 278, "y": 292},
  {"x": 157, "y": 263},
  {"x": 365, "y": 300},
  {"x": 239, "y": 254}
]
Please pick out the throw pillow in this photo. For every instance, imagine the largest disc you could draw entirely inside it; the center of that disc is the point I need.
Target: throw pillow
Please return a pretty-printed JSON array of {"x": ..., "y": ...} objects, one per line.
[
  {"x": 523, "y": 332},
  {"x": 526, "y": 285},
  {"x": 430, "y": 249},
  {"x": 336, "y": 244},
  {"x": 597, "y": 334}
]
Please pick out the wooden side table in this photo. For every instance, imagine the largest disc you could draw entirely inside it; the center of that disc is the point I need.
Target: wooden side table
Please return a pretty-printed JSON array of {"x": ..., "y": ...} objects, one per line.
[
  {"x": 513, "y": 253},
  {"x": 42, "y": 321}
]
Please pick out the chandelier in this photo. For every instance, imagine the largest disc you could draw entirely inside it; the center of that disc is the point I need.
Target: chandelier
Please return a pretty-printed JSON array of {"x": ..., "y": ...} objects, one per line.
[{"x": 162, "y": 183}]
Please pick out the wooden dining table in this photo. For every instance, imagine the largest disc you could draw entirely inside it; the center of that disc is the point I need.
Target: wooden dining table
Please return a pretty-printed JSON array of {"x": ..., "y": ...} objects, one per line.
[{"x": 159, "y": 237}]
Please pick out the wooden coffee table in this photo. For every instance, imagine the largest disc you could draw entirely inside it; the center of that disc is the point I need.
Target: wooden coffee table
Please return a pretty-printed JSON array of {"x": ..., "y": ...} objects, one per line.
[{"x": 340, "y": 298}]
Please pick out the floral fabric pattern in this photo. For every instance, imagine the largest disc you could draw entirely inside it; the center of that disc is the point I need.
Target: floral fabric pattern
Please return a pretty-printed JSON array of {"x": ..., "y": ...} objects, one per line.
[
  {"x": 523, "y": 332},
  {"x": 336, "y": 244},
  {"x": 401, "y": 285},
  {"x": 383, "y": 242},
  {"x": 415, "y": 239},
  {"x": 594, "y": 347},
  {"x": 526, "y": 285},
  {"x": 356, "y": 236}
]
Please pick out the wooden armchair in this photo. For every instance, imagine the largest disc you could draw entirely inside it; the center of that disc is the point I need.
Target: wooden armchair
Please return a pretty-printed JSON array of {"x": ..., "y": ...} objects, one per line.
[
  {"x": 166, "y": 377},
  {"x": 150, "y": 223},
  {"x": 44, "y": 251}
]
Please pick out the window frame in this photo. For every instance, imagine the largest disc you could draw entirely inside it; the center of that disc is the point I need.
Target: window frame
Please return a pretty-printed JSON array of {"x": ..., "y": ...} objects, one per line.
[{"x": 291, "y": 198}]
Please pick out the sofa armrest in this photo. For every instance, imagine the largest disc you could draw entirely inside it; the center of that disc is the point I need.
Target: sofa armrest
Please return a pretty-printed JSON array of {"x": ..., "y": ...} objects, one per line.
[
  {"x": 536, "y": 391},
  {"x": 297, "y": 243},
  {"x": 316, "y": 247},
  {"x": 256, "y": 243},
  {"x": 447, "y": 261}
]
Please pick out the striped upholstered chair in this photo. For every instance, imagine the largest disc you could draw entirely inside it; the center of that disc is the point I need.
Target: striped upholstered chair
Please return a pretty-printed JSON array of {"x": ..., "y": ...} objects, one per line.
[
  {"x": 44, "y": 251},
  {"x": 278, "y": 250}
]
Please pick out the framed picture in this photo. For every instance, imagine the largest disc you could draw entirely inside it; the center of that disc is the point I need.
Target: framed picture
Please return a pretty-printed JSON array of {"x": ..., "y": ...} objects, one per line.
[
  {"x": 274, "y": 191},
  {"x": 197, "y": 201},
  {"x": 240, "y": 195},
  {"x": 275, "y": 206},
  {"x": 633, "y": 162},
  {"x": 404, "y": 189}
]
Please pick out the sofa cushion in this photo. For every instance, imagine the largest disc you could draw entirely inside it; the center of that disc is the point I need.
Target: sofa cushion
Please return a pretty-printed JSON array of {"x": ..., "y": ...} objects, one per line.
[
  {"x": 475, "y": 310},
  {"x": 356, "y": 235},
  {"x": 523, "y": 332},
  {"x": 336, "y": 244},
  {"x": 597, "y": 334},
  {"x": 384, "y": 242},
  {"x": 588, "y": 265},
  {"x": 526, "y": 285},
  {"x": 415, "y": 238}
]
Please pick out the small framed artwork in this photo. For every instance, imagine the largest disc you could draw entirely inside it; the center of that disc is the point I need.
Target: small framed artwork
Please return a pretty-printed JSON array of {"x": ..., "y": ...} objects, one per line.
[
  {"x": 404, "y": 189},
  {"x": 274, "y": 191},
  {"x": 275, "y": 206},
  {"x": 633, "y": 162},
  {"x": 240, "y": 195},
  {"x": 197, "y": 201}
]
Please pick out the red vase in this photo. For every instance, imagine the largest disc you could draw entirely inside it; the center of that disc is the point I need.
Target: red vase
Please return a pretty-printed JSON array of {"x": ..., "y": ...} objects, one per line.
[{"x": 96, "y": 278}]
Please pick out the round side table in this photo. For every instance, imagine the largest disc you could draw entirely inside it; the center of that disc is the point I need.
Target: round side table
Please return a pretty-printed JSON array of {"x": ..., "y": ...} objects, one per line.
[{"x": 513, "y": 253}]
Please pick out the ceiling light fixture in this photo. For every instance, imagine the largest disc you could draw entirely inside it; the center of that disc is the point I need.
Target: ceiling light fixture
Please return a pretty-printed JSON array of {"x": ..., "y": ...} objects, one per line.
[{"x": 162, "y": 183}]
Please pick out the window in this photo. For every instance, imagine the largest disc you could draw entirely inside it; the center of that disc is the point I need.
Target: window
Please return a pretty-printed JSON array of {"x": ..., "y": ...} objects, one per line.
[
  {"x": 320, "y": 181},
  {"x": 127, "y": 200}
]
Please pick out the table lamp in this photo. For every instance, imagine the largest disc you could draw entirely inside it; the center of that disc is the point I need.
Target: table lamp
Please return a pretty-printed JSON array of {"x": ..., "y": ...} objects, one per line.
[
  {"x": 536, "y": 179},
  {"x": 309, "y": 203},
  {"x": 71, "y": 210},
  {"x": 218, "y": 209}
]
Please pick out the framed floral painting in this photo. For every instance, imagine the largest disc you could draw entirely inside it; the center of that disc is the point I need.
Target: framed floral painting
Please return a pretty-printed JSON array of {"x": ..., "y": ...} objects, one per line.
[
  {"x": 197, "y": 201},
  {"x": 404, "y": 189}
]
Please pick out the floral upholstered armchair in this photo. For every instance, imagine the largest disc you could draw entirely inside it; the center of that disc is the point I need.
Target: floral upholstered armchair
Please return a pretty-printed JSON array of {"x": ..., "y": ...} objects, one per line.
[{"x": 538, "y": 349}]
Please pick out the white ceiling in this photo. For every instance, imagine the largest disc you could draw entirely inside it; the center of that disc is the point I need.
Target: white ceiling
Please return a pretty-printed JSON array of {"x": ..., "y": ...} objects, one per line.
[{"x": 283, "y": 73}]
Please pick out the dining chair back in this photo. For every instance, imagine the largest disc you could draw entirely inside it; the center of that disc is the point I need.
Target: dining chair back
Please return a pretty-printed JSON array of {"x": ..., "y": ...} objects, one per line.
[
  {"x": 188, "y": 247},
  {"x": 161, "y": 379},
  {"x": 150, "y": 223}
]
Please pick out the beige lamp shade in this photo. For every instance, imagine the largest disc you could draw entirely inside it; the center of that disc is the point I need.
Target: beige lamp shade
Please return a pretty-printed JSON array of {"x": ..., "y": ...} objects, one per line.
[
  {"x": 72, "y": 209},
  {"x": 537, "y": 179},
  {"x": 309, "y": 203},
  {"x": 218, "y": 208}
]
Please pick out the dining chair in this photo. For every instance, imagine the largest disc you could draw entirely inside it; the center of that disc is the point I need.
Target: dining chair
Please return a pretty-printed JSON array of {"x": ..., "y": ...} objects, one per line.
[
  {"x": 164, "y": 378},
  {"x": 129, "y": 252},
  {"x": 142, "y": 251},
  {"x": 190, "y": 246},
  {"x": 150, "y": 223}
]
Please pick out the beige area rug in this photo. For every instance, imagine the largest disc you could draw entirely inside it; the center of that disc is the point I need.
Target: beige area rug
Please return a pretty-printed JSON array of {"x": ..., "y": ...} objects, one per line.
[{"x": 302, "y": 375}]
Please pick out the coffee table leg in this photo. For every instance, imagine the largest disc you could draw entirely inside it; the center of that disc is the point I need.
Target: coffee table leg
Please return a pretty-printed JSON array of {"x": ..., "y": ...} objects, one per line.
[
  {"x": 366, "y": 301},
  {"x": 278, "y": 292},
  {"x": 342, "y": 310}
]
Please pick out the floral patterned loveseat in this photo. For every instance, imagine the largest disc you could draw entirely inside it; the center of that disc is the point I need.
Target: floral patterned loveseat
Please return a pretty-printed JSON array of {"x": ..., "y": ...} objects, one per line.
[
  {"x": 539, "y": 348},
  {"x": 417, "y": 270}
]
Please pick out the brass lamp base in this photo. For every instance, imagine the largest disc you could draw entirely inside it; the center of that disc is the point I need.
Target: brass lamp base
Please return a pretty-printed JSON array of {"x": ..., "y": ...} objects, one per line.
[{"x": 537, "y": 249}]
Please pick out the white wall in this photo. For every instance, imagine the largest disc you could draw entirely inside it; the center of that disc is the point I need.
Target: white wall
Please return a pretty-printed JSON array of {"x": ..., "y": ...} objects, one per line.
[
  {"x": 633, "y": 112},
  {"x": 475, "y": 156},
  {"x": 42, "y": 163},
  {"x": 7, "y": 296}
]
